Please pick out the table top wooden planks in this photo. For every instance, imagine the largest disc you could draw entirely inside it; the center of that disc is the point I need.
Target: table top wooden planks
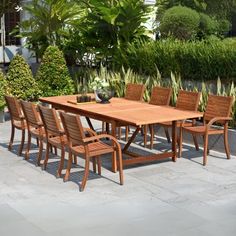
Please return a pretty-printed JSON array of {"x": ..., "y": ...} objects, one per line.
[{"x": 122, "y": 110}]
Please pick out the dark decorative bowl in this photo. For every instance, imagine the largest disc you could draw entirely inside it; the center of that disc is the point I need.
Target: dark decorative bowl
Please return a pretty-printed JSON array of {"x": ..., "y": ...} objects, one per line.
[{"x": 104, "y": 95}]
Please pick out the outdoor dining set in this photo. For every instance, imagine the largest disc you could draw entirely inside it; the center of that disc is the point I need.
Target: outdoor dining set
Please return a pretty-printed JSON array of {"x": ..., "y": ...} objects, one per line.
[{"x": 60, "y": 127}]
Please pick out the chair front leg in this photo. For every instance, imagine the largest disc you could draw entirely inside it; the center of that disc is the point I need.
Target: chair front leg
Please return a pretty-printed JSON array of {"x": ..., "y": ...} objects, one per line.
[
  {"x": 180, "y": 142},
  {"x": 226, "y": 142},
  {"x": 167, "y": 134},
  {"x": 40, "y": 151},
  {"x": 69, "y": 163},
  {"x": 126, "y": 133},
  {"x": 28, "y": 146},
  {"x": 22, "y": 142},
  {"x": 75, "y": 159},
  {"x": 205, "y": 149},
  {"x": 46, "y": 156},
  {"x": 94, "y": 165},
  {"x": 151, "y": 128},
  {"x": 61, "y": 164},
  {"x": 195, "y": 142},
  {"x": 12, "y": 137},
  {"x": 86, "y": 173},
  {"x": 145, "y": 135},
  {"x": 120, "y": 163},
  {"x": 99, "y": 165}
]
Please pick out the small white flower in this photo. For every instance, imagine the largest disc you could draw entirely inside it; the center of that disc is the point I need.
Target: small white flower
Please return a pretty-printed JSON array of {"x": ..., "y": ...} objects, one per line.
[{"x": 18, "y": 8}]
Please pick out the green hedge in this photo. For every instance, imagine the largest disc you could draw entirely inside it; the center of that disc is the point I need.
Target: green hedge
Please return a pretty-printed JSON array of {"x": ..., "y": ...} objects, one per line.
[{"x": 200, "y": 60}]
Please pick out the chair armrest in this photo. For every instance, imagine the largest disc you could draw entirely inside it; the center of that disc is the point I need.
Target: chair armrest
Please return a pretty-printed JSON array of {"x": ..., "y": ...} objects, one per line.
[
  {"x": 61, "y": 132},
  {"x": 100, "y": 136},
  {"x": 214, "y": 120},
  {"x": 90, "y": 132},
  {"x": 40, "y": 124}
]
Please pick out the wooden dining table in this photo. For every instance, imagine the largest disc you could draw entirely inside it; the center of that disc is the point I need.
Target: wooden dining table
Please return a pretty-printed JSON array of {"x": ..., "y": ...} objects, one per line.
[{"x": 122, "y": 111}]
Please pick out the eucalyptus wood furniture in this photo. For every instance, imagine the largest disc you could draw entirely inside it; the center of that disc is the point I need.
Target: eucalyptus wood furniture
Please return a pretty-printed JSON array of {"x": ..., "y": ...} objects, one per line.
[
  {"x": 134, "y": 113},
  {"x": 55, "y": 135},
  {"x": 34, "y": 126},
  {"x": 133, "y": 92},
  {"x": 17, "y": 121},
  {"x": 160, "y": 96},
  {"x": 186, "y": 100},
  {"x": 218, "y": 111},
  {"x": 89, "y": 147}
]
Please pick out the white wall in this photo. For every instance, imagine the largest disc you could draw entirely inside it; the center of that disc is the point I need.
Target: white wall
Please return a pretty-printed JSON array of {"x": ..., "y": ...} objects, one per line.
[{"x": 25, "y": 52}]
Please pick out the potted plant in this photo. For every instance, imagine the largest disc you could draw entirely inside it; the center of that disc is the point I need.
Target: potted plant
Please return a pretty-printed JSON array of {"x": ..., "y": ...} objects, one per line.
[
  {"x": 3, "y": 90},
  {"x": 102, "y": 90}
]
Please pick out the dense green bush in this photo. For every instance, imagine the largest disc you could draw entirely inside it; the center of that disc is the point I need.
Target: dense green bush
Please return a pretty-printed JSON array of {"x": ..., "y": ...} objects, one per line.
[
  {"x": 20, "y": 80},
  {"x": 53, "y": 75},
  {"x": 3, "y": 90},
  {"x": 200, "y": 60},
  {"x": 207, "y": 26},
  {"x": 180, "y": 22}
]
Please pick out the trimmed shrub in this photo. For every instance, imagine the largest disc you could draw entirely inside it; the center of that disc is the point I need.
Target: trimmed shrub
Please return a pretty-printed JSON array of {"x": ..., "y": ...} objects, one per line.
[
  {"x": 21, "y": 81},
  {"x": 53, "y": 75},
  {"x": 180, "y": 22},
  {"x": 207, "y": 26},
  {"x": 3, "y": 90},
  {"x": 200, "y": 60}
]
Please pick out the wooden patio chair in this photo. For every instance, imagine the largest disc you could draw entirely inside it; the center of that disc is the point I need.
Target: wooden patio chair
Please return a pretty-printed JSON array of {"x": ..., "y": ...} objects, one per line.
[
  {"x": 17, "y": 121},
  {"x": 160, "y": 96},
  {"x": 133, "y": 92},
  {"x": 88, "y": 147},
  {"x": 218, "y": 111},
  {"x": 34, "y": 126},
  {"x": 186, "y": 100},
  {"x": 55, "y": 135}
]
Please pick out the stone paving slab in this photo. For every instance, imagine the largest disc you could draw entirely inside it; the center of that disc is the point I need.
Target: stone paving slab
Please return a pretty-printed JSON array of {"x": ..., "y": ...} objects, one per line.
[{"x": 161, "y": 198}]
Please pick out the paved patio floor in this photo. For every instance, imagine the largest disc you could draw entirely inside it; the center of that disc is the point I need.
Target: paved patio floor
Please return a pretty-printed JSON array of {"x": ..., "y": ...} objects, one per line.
[{"x": 162, "y": 198}]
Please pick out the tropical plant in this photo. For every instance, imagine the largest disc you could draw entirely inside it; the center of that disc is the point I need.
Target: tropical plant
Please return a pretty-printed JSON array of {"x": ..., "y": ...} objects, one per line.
[
  {"x": 53, "y": 76},
  {"x": 49, "y": 23},
  {"x": 21, "y": 81},
  {"x": 110, "y": 26},
  {"x": 3, "y": 90}
]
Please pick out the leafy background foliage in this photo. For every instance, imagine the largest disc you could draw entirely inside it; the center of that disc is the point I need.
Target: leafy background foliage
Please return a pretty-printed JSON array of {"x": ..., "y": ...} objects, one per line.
[
  {"x": 53, "y": 76},
  {"x": 3, "y": 90},
  {"x": 180, "y": 22},
  {"x": 196, "y": 60},
  {"x": 49, "y": 24},
  {"x": 20, "y": 80}
]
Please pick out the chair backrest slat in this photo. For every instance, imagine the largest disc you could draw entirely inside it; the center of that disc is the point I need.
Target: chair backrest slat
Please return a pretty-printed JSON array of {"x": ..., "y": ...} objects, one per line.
[
  {"x": 218, "y": 106},
  {"x": 73, "y": 128},
  {"x": 188, "y": 100},
  {"x": 31, "y": 114},
  {"x": 134, "y": 92},
  {"x": 50, "y": 120},
  {"x": 14, "y": 108},
  {"x": 160, "y": 96}
]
